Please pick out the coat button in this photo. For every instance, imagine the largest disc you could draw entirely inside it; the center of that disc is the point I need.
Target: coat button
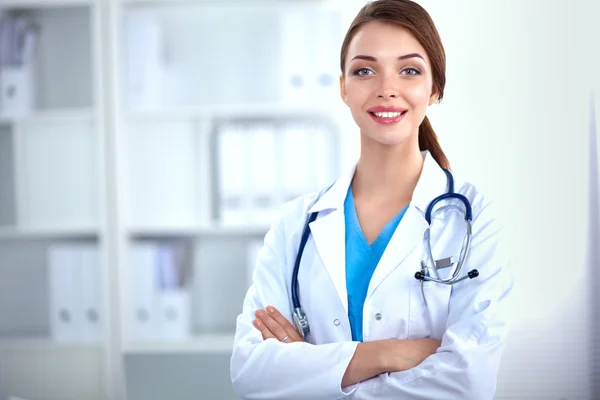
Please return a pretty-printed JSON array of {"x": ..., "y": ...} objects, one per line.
[
  {"x": 378, "y": 316},
  {"x": 336, "y": 322}
]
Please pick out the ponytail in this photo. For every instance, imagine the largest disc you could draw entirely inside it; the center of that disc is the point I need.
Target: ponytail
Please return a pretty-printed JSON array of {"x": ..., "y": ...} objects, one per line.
[{"x": 428, "y": 141}]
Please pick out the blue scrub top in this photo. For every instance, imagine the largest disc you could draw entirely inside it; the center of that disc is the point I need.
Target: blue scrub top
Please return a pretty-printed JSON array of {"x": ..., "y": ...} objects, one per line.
[{"x": 361, "y": 261}]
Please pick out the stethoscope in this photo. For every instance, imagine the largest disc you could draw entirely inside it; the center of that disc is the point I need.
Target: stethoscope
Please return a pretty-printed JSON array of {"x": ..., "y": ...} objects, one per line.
[{"x": 428, "y": 267}]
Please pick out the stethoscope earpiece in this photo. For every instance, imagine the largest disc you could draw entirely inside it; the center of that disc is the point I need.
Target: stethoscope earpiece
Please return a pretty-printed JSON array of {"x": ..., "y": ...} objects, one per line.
[{"x": 419, "y": 276}]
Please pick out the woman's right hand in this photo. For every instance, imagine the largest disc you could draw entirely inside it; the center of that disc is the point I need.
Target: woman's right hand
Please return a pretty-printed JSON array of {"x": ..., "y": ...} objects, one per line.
[
  {"x": 408, "y": 354},
  {"x": 387, "y": 355}
]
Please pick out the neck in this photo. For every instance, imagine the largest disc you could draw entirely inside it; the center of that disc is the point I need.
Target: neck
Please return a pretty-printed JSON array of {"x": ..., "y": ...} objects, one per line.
[{"x": 389, "y": 172}]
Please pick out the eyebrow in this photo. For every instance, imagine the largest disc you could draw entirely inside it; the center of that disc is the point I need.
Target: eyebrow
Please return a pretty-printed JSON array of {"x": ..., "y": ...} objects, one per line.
[{"x": 404, "y": 57}]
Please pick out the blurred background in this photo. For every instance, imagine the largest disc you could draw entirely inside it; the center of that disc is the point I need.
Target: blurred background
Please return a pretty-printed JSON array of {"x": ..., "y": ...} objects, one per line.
[{"x": 146, "y": 146}]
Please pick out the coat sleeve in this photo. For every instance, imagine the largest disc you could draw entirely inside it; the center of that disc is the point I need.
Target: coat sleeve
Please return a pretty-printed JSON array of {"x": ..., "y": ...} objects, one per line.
[
  {"x": 467, "y": 362},
  {"x": 269, "y": 369}
]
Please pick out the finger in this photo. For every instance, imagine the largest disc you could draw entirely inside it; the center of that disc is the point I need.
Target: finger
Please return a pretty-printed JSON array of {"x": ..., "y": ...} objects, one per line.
[
  {"x": 273, "y": 326},
  {"x": 265, "y": 332},
  {"x": 283, "y": 322}
]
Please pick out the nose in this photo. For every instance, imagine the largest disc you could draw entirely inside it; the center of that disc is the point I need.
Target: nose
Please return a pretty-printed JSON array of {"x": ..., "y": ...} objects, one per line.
[{"x": 388, "y": 87}]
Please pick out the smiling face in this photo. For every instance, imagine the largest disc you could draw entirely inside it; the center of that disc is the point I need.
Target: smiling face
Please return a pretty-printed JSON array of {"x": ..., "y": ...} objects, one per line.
[{"x": 387, "y": 83}]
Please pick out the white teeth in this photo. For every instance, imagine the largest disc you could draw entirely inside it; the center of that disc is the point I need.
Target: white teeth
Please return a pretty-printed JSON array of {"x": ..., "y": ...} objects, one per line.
[{"x": 387, "y": 114}]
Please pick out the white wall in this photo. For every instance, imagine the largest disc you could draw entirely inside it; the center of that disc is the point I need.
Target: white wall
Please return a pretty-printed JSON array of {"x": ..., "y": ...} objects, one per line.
[{"x": 515, "y": 118}]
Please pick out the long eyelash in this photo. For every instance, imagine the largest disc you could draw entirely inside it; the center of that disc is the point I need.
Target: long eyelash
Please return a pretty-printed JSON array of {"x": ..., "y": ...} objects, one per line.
[
  {"x": 414, "y": 69},
  {"x": 357, "y": 70}
]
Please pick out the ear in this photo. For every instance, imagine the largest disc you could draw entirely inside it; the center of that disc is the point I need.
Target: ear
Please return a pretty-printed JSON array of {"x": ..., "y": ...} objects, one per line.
[
  {"x": 433, "y": 98},
  {"x": 343, "y": 89}
]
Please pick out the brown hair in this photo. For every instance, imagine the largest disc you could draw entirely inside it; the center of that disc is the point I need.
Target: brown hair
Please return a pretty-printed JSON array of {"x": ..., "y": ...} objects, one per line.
[{"x": 412, "y": 17}]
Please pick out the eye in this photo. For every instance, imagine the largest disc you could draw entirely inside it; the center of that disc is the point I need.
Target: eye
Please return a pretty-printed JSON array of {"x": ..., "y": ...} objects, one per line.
[
  {"x": 362, "y": 72},
  {"x": 411, "y": 71}
]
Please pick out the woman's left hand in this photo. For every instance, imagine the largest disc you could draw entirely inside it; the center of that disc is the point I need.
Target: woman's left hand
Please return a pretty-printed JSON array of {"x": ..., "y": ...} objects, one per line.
[{"x": 274, "y": 325}]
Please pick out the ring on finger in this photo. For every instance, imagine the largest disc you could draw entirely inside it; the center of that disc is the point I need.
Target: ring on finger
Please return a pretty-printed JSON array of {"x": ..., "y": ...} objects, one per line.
[{"x": 285, "y": 338}]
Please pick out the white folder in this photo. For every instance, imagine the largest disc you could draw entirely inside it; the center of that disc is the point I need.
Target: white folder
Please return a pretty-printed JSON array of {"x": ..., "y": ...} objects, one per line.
[
  {"x": 233, "y": 160},
  {"x": 17, "y": 90},
  {"x": 326, "y": 157},
  {"x": 174, "y": 314},
  {"x": 64, "y": 273},
  {"x": 141, "y": 317},
  {"x": 145, "y": 74},
  {"x": 92, "y": 313},
  {"x": 297, "y": 161},
  {"x": 295, "y": 56},
  {"x": 172, "y": 299},
  {"x": 263, "y": 175},
  {"x": 325, "y": 38}
]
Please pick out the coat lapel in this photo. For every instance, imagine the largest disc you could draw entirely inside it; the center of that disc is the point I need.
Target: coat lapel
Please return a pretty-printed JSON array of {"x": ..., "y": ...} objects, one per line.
[
  {"x": 330, "y": 239},
  {"x": 329, "y": 230},
  {"x": 411, "y": 229},
  {"x": 409, "y": 233}
]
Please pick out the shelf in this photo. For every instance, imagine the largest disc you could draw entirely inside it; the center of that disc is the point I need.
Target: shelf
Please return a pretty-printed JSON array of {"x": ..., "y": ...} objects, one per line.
[
  {"x": 44, "y": 3},
  {"x": 198, "y": 231},
  {"x": 218, "y": 343},
  {"x": 83, "y": 114},
  {"x": 250, "y": 111},
  {"x": 44, "y": 344},
  {"x": 56, "y": 233},
  {"x": 197, "y": 2}
]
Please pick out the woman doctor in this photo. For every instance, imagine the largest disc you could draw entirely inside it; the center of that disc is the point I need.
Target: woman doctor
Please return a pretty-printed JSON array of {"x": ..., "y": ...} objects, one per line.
[{"x": 376, "y": 332}]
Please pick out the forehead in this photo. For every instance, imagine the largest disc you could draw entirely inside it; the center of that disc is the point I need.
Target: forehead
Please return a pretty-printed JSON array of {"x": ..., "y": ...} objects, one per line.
[{"x": 383, "y": 40}]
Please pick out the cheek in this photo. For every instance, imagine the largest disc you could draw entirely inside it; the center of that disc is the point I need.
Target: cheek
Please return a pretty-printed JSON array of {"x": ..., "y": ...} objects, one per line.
[
  {"x": 418, "y": 96},
  {"x": 356, "y": 96}
]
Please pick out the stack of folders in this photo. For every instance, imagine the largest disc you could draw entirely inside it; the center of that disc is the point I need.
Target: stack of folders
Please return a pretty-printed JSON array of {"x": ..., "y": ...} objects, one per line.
[
  {"x": 310, "y": 66},
  {"x": 262, "y": 165},
  {"x": 74, "y": 276},
  {"x": 159, "y": 297},
  {"x": 18, "y": 39}
]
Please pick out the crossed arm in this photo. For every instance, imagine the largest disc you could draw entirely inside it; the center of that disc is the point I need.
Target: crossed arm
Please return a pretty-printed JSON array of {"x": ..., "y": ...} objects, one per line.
[
  {"x": 464, "y": 366},
  {"x": 369, "y": 360}
]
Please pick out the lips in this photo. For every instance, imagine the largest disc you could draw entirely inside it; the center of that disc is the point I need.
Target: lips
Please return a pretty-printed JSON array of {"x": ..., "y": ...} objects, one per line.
[{"x": 387, "y": 115}]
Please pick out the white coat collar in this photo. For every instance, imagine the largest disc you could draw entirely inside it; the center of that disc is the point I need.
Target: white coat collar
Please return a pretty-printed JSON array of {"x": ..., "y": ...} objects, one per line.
[
  {"x": 432, "y": 183},
  {"x": 328, "y": 230}
]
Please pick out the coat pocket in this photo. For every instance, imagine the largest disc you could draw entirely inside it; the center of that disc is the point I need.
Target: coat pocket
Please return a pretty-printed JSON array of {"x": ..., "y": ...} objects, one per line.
[{"x": 428, "y": 310}]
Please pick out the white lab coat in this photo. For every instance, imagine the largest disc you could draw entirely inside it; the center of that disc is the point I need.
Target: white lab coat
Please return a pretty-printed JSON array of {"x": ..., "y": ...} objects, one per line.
[{"x": 469, "y": 318}]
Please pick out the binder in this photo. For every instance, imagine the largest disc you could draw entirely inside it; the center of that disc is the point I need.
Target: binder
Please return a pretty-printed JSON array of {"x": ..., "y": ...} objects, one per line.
[
  {"x": 325, "y": 157},
  {"x": 325, "y": 38},
  {"x": 174, "y": 314},
  {"x": 16, "y": 90},
  {"x": 172, "y": 299},
  {"x": 142, "y": 282},
  {"x": 92, "y": 312},
  {"x": 296, "y": 57},
  {"x": 17, "y": 75},
  {"x": 263, "y": 184},
  {"x": 145, "y": 70},
  {"x": 233, "y": 161},
  {"x": 64, "y": 278},
  {"x": 297, "y": 166}
]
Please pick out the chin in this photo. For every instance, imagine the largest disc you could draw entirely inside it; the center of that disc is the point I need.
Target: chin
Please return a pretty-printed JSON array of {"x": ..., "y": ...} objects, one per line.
[{"x": 389, "y": 137}]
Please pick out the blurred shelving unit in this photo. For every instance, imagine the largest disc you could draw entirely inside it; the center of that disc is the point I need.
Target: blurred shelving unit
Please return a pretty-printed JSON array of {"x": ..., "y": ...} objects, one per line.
[
  {"x": 121, "y": 153},
  {"x": 52, "y": 193}
]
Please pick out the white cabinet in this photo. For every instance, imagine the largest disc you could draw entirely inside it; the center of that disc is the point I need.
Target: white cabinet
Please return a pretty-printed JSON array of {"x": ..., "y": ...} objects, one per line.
[
  {"x": 52, "y": 195},
  {"x": 229, "y": 53},
  {"x": 128, "y": 224}
]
